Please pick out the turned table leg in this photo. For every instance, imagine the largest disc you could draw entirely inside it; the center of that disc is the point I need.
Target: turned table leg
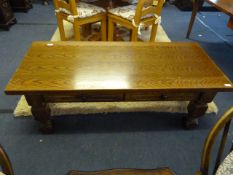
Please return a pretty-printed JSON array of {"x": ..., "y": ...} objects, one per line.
[
  {"x": 197, "y": 109},
  {"x": 41, "y": 112}
]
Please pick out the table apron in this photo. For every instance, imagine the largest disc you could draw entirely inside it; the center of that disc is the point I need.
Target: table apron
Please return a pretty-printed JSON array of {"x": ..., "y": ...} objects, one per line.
[
  {"x": 196, "y": 108},
  {"x": 117, "y": 97}
]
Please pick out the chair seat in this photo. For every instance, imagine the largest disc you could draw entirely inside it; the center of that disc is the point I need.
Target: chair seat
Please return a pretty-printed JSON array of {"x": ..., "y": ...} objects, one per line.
[
  {"x": 158, "y": 171},
  {"x": 127, "y": 12},
  {"x": 85, "y": 10},
  {"x": 226, "y": 166}
]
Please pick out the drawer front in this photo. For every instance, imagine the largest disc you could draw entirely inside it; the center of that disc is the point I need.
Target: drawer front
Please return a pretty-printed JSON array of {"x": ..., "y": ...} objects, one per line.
[
  {"x": 87, "y": 97},
  {"x": 152, "y": 96},
  {"x": 129, "y": 96}
]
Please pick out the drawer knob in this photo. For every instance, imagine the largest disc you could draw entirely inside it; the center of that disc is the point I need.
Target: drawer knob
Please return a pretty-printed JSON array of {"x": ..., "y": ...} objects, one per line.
[
  {"x": 163, "y": 97},
  {"x": 83, "y": 98}
]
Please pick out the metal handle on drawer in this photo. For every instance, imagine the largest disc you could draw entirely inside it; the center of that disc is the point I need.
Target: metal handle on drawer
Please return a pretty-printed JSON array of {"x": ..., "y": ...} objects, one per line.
[
  {"x": 83, "y": 98},
  {"x": 163, "y": 97}
]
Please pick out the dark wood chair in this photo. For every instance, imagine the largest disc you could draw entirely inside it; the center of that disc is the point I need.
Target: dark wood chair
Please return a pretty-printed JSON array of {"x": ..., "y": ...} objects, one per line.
[
  {"x": 223, "y": 123},
  {"x": 158, "y": 171},
  {"x": 8, "y": 170},
  {"x": 5, "y": 163}
]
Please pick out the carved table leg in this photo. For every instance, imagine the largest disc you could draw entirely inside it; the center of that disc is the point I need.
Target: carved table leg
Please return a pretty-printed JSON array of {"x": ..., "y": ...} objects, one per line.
[
  {"x": 41, "y": 112},
  {"x": 197, "y": 109}
]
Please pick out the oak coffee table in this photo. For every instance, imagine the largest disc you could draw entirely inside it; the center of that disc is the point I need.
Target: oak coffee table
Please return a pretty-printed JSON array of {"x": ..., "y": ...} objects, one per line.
[{"x": 117, "y": 71}]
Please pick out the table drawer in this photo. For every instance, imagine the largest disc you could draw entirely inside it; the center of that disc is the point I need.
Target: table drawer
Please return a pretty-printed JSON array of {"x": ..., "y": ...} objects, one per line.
[
  {"x": 87, "y": 97},
  {"x": 152, "y": 96}
]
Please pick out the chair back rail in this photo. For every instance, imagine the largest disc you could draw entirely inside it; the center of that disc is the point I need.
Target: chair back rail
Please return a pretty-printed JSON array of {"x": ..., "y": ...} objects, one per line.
[
  {"x": 69, "y": 6},
  {"x": 223, "y": 122},
  {"x": 62, "y": 4},
  {"x": 148, "y": 10},
  {"x": 5, "y": 162},
  {"x": 147, "y": 7},
  {"x": 73, "y": 7}
]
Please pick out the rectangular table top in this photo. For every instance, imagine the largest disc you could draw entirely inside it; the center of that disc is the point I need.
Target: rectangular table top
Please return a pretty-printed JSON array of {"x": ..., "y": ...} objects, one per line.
[
  {"x": 62, "y": 67},
  {"x": 225, "y": 6}
]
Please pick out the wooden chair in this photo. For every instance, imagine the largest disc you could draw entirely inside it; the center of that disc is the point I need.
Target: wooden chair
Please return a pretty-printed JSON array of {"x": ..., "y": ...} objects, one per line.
[
  {"x": 5, "y": 163},
  {"x": 79, "y": 14},
  {"x": 158, "y": 171},
  {"x": 223, "y": 122},
  {"x": 145, "y": 13},
  {"x": 8, "y": 170}
]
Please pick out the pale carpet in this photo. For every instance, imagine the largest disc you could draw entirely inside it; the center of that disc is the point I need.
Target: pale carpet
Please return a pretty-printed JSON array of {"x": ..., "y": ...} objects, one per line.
[{"x": 22, "y": 108}]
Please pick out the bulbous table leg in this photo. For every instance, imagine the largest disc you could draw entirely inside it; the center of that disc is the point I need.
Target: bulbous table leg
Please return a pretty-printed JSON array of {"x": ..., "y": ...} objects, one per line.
[
  {"x": 41, "y": 112},
  {"x": 197, "y": 109}
]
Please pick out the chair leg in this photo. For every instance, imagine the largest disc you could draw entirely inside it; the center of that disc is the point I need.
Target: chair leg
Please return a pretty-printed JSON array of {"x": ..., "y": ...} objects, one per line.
[
  {"x": 153, "y": 32},
  {"x": 110, "y": 29},
  {"x": 103, "y": 29},
  {"x": 77, "y": 34},
  {"x": 61, "y": 28},
  {"x": 134, "y": 35}
]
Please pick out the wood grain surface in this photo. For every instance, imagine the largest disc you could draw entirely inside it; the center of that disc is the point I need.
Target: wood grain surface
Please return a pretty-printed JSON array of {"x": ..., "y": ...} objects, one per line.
[
  {"x": 70, "y": 67},
  {"x": 158, "y": 171},
  {"x": 225, "y": 6}
]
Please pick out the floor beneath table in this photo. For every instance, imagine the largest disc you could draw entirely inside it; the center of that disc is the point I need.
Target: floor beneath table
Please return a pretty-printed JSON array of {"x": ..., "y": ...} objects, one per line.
[{"x": 93, "y": 142}]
